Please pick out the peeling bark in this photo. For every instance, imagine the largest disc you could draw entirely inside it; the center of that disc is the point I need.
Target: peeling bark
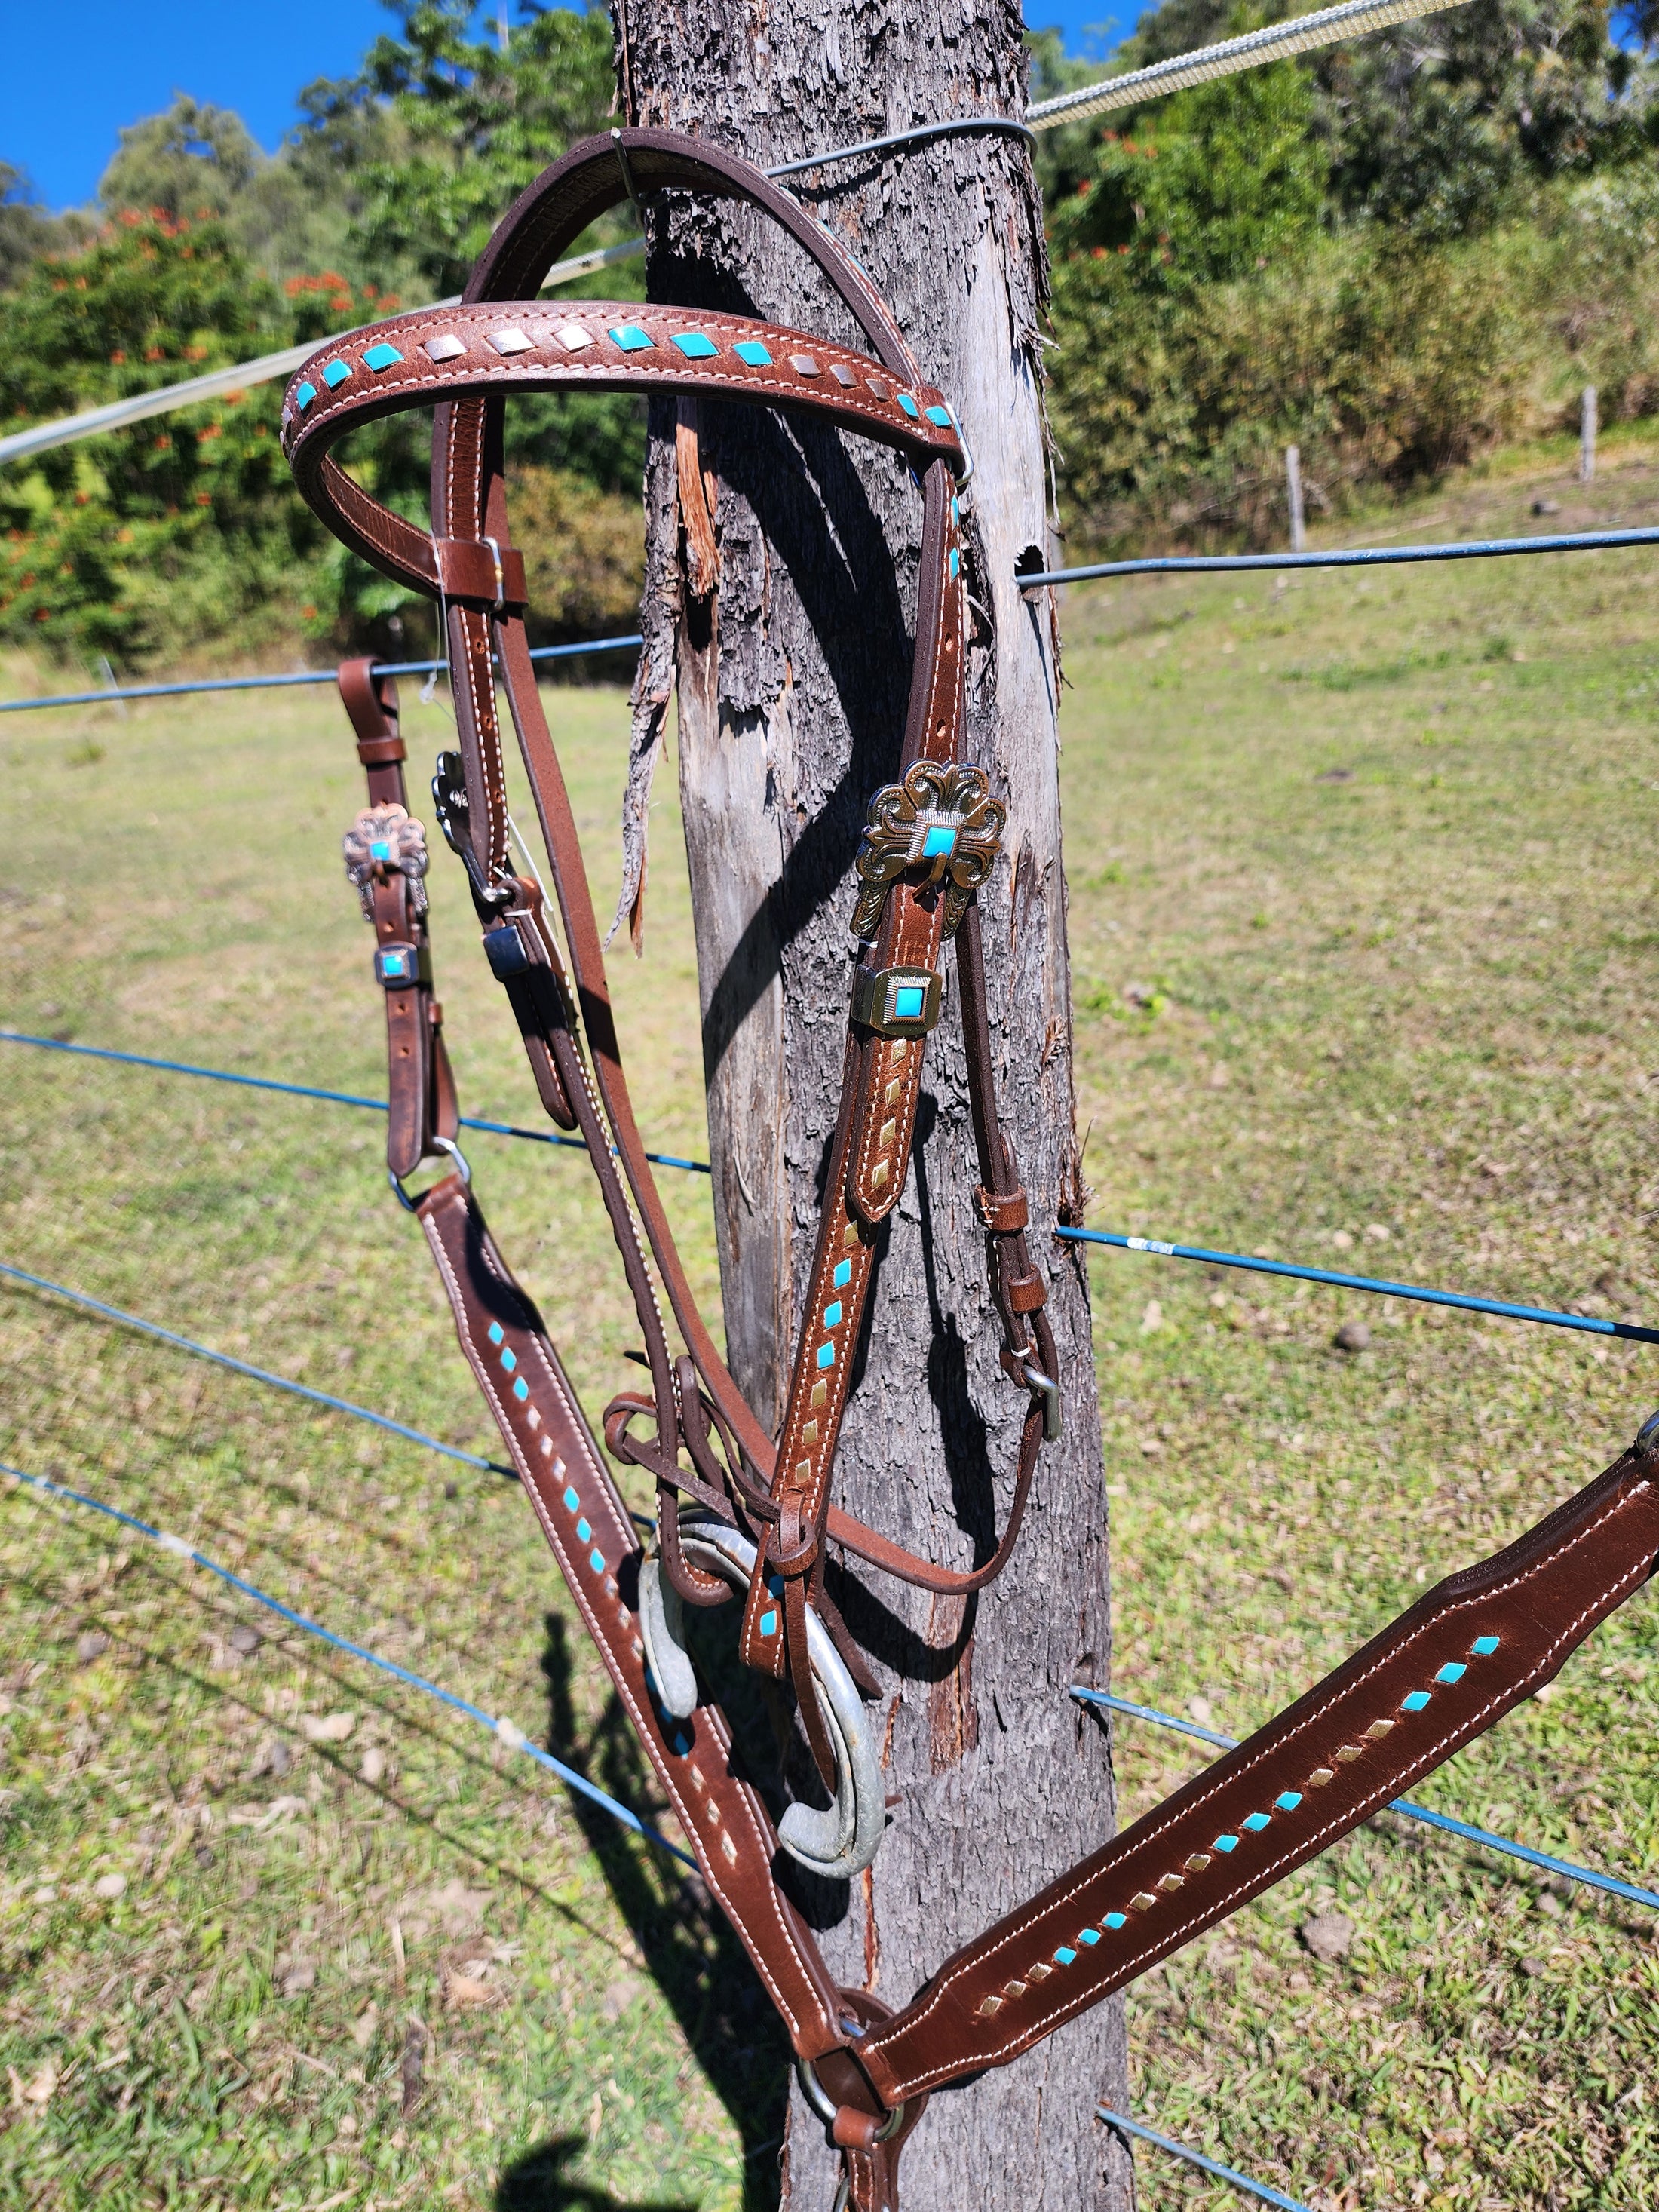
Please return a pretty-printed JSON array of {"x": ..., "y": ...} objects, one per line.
[{"x": 793, "y": 673}]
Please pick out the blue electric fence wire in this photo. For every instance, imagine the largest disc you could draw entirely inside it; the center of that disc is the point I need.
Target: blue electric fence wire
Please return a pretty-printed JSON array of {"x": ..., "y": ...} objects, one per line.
[
  {"x": 503, "y": 1731},
  {"x": 1611, "y": 1883},
  {"x": 310, "y": 1091},
  {"x": 1590, "y": 1324},
  {"x": 1360, "y": 556},
  {"x": 1264, "y": 2189},
  {"x": 305, "y": 676},
  {"x": 253, "y": 1374}
]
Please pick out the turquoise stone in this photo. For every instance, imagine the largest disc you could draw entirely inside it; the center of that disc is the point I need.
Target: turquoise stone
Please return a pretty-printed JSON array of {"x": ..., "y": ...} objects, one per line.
[
  {"x": 843, "y": 1275},
  {"x": 938, "y": 842},
  {"x": 596, "y": 1560},
  {"x": 583, "y": 1532},
  {"x": 571, "y": 1501},
  {"x": 956, "y": 561},
  {"x": 909, "y": 405},
  {"x": 379, "y": 357},
  {"x": 497, "y": 1331},
  {"x": 752, "y": 351},
  {"x": 942, "y": 416},
  {"x": 509, "y": 1360},
  {"x": 826, "y": 1355},
  {"x": 769, "y": 1623},
  {"x": 1065, "y": 1956},
  {"x": 1117, "y": 1919},
  {"x": 1287, "y": 1801},
  {"x": 379, "y": 850},
  {"x": 1226, "y": 1843},
  {"x": 1484, "y": 1646},
  {"x": 907, "y": 1002},
  {"x": 631, "y": 338},
  {"x": 1451, "y": 1672},
  {"x": 1415, "y": 1702},
  {"x": 304, "y": 395},
  {"x": 1089, "y": 1936},
  {"x": 334, "y": 374},
  {"x": 695, "y": 345},
  {"x": 832, "y": 1315},
  {"x": 1256, "y": 1822},
  {"x": 521, "y": 1389}
]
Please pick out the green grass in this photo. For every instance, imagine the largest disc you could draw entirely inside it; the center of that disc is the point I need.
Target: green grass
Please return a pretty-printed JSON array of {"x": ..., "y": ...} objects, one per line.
[{"x": 1363, "y": 929}]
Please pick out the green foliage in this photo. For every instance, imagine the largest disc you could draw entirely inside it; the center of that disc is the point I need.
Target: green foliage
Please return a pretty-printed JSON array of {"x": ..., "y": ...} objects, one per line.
[
  {"x": 99, "y": 533},
  {"x": 1227, "y": 177},
  {"x": 480, "y": 124},
  {"x": 188, "y": 163},
  {"x": 26, "y": 231}
]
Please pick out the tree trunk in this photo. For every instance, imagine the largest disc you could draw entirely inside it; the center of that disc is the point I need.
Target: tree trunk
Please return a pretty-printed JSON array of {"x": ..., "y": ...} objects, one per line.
[{"x": 788, "y": 635}]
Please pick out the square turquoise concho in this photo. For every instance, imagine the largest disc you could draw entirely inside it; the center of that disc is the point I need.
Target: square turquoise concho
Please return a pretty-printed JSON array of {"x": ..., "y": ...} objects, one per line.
[{"x": 907, "y": 1002}]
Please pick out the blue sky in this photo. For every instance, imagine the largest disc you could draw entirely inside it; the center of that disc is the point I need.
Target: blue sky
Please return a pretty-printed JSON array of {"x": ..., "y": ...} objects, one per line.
[{"x": 67, "y": 88}]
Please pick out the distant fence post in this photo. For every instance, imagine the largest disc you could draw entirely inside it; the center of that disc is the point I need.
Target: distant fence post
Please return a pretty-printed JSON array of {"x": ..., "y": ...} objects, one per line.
[
  {"x": 1587, "y": 435},
  {"x": 1293, "y": 480}
]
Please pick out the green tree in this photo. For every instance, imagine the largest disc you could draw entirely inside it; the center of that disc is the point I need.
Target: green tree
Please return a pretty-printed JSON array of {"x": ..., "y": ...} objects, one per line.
[
  {"x": 479, "y": 125},
  {"x": 109, "y": 543},
  {"x": 1218, "y": 180}
]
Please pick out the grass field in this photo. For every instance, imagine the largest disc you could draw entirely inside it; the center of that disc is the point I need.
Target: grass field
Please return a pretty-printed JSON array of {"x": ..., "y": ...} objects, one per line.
[{"x": 1363, "y": 932}]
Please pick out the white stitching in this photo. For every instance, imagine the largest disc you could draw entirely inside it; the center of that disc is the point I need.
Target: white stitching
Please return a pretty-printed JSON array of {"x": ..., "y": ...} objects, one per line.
[
  {"x": 684, "y": 1808},
  {"x": 1309, "y": 1847}
]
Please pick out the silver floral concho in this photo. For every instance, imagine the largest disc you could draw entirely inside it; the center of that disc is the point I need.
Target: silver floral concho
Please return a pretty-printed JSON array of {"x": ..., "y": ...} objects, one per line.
[
  {"x": 384, "y": 841},
  {"x": 942, "y": 814}
]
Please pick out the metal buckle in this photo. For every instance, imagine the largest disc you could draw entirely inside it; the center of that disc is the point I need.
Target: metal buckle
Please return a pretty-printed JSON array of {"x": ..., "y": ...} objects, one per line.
[
  {"x": 439, "y": 1145},
  {"x": 896, "y": 1002},
  {"x": 500, "y": 588}
]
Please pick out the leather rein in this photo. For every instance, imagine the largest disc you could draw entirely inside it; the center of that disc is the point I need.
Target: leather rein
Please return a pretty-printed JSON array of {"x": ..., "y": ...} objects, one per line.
[{"x": 736, "y": 1509}]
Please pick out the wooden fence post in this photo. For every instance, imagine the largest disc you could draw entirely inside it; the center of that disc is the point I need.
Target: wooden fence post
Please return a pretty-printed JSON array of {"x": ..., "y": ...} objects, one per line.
[
  {"x": 1293, "y": 480},
  {"x": 1586, "y": 436}
]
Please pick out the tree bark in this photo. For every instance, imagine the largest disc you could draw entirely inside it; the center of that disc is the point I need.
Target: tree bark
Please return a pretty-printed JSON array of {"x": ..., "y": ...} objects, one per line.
[{"x": 787, "y": 631}]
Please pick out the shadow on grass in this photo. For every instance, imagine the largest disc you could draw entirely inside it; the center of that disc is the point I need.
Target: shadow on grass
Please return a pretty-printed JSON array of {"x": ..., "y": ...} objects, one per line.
[
  {"x": 538, "y": 2183},
  {"x": 690, "y": 1951}
]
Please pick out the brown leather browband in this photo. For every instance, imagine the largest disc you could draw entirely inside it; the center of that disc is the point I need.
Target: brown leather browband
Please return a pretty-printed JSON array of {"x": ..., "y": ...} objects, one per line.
[{"x": 1441, "y": 1675}]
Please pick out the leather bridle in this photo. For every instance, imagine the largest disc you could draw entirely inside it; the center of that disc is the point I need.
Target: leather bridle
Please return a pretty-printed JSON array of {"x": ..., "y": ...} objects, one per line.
[{"x": 733, "y": 1505}]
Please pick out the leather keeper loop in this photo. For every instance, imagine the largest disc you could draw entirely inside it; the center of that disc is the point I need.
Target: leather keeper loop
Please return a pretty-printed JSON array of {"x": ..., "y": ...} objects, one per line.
[
  {"x": 381, "y": 752},
  {"x": 469, "y": 571},
  {"x": 1027, "y": 1293},
  {"x": 1002, "y": 1216},
  {"x": 852, "y": 2130}
]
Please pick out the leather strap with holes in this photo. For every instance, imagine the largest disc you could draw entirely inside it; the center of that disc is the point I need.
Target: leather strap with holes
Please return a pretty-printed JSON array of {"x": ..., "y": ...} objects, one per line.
[{"x": 386, "y": 853}]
